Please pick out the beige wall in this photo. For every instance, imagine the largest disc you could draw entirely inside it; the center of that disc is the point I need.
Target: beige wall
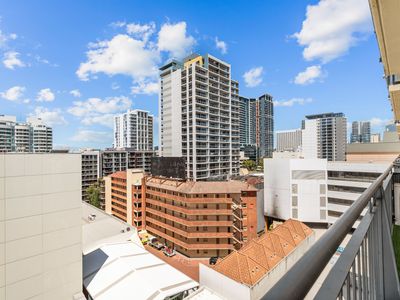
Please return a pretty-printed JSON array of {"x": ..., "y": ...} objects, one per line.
[
  {"x": 372, "y": 157},
  {"x": 107, "y": 187},
  {"x": 40, "y": 226},
  {"x": 133, "y": 176}
]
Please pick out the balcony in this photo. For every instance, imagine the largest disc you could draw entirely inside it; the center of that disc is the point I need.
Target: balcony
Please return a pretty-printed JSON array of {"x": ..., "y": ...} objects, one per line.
[{"x": 366, "y": 269}]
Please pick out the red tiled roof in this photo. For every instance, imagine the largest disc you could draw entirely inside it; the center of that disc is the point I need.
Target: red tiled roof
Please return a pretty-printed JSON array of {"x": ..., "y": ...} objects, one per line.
[{"x": 260, "y": 255}]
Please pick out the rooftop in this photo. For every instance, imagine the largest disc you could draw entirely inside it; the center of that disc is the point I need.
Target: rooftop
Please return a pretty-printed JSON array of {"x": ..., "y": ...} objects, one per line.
[
  {"x": 324, "y": 115},
  {"x": 117, "y": 266},
  {"x": 262, "y": 254},
  {"x": 200, "y": 187}
]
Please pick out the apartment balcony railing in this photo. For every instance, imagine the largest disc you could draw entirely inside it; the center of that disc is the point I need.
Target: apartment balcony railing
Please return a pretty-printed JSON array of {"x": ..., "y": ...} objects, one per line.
[{"x": 366, "y": 269}]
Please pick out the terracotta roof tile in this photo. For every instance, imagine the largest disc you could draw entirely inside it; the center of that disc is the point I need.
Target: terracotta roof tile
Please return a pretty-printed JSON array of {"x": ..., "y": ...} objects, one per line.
[{"x": 260, "y": 255}]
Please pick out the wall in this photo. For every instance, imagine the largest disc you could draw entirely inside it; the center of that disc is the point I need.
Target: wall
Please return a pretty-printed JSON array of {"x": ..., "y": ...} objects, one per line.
[
  {"x": 276, "y": 188},
  {"x": 40, "y": 225},
  {"x": 107, "y": 187}
]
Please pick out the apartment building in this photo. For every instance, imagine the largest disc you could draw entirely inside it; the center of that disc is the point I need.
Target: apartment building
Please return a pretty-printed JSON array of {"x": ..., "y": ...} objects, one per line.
[
  {"x": 113, "y": 160},
  {"x": 124, "y": 199},
  {"x": 40, "y": 224},
  {"x": 247, "y": 121},
  {"x": 134, "y": 129},
  {"x": 257, "y": 124},
  {"x": 325, "y": 136},
  {"x": 360, "y": 132},
  {"x": 200, "y": 219},
  {"x": 288, "y": 140},
  {"x": 31, "y": 136},
  {"x": 199, "y": 115},
  {"x": 91, "y": 170}
]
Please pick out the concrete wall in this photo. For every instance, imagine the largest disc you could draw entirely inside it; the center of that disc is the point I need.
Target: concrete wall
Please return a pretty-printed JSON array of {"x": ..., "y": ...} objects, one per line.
[
  {"x": 40, "y": 226},
  {"x": 276, "y": 188},
  {"x": 279, "y": 193}
]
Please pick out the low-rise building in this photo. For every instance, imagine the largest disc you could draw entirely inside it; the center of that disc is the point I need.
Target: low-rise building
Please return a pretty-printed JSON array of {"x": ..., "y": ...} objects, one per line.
[
  {"x": 314, "y": 190},
  {"x": 249, "y": 273},
  {"x": 117, "y": 266},
  {"x": 198, "y": 219}
]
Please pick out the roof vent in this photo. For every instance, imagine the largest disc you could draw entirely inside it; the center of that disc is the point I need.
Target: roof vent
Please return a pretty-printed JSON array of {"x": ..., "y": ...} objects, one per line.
[{"x": 92, "y": 217}]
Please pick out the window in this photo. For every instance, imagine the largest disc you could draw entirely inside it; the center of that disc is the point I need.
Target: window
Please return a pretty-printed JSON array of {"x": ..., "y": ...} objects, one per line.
[
  {"x": 323, "y": 214},
  {"x": 322, "y": 189},
  {"x": 294, "y": 188},
  {"x": 294, "y": 213},
  {"x": 308, "y": 174},
  {"x": 294, "y": 200},
  {"x": 322, "y": 201}
]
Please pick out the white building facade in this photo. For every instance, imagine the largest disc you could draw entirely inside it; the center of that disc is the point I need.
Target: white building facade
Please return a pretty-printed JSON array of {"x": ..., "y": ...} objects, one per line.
[
  {"x": 199, "y": 116},
  {"x": 296, "y": 188},
  {"x": 134, "y": 129},
  {"x": 324, "y": 136},
  {"x": 32, "y": 136},
  {"x": 288, "y": 140},
  {"x": 40, "y": 224}
]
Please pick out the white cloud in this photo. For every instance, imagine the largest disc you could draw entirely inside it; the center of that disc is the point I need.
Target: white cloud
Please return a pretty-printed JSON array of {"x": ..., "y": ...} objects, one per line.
[
  {"x": 331, "y": 27},
  {"x": 221, "y": 45},
  {"x": 91, "y": 136},
  {"x": 98, "y": 111},
  {"x": 45, "y": 95},
  {"x": 49, "y": 117},
  {"x": 13, "y": 94},
  {"x": 253, "y": 77},
  {"x": 4, "y": 38},
  {"x": 75, "y": 93},
  {"x": 11, "y": 60},
  {"x": 293, "y": 101},
  {"x": 115, "y": 86},
  {"x": 378, "y": 122},
  {"x": 309, "y": 75},
  {"x": 120, "y": 55},
  {"x": 142, "y": 32},
  {"x": 173, "y": 38},
  {"x": 148, "y": 88}
]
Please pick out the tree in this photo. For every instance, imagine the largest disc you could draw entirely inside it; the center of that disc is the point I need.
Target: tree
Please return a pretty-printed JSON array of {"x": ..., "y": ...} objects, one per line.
[
  {"x": 249, "y": 165},
  {"x": 93, "y": 194}
]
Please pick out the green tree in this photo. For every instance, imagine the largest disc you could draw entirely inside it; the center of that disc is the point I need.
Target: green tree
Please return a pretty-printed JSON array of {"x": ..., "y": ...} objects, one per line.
[
  {"x": 93, "y": 194},
  {"x": 250, "y": 164}
]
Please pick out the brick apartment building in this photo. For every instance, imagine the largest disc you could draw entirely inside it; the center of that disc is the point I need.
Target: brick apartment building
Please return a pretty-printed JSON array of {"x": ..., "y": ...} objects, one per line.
[
  {"x": 123, "y": 190},
  {"x": 198, "y": 219}
]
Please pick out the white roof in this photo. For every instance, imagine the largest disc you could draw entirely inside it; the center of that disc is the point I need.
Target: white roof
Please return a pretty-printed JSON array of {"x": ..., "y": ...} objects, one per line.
[
  {"x": 204, "y": 293},
  {"x": 103, "y": 229},
  {"x": 117, "y": 266},
  {"x": 131, "y": 272}
]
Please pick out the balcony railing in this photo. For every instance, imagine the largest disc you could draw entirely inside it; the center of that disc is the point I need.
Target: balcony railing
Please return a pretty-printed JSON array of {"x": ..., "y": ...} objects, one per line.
[{"x": 365, "y": 270}]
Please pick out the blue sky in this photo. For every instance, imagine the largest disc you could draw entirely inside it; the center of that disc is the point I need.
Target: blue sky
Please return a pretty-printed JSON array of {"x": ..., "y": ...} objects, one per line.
[{"x": 76, "y": 63}]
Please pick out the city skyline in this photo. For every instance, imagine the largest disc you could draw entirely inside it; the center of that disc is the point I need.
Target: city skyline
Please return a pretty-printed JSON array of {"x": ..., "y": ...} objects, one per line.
[{"x": 50, "y": 71}]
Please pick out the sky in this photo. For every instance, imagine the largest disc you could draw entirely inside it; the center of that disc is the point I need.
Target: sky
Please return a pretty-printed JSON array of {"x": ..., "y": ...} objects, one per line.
[{"x": 75, "y": 63}]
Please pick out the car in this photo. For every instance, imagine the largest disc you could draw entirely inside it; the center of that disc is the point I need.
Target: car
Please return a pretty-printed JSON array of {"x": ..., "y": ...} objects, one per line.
[
  {"x": 213, "y": 260},
  {"x": 169, "y": 252},
  {"x": 156, "y": 244}
]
